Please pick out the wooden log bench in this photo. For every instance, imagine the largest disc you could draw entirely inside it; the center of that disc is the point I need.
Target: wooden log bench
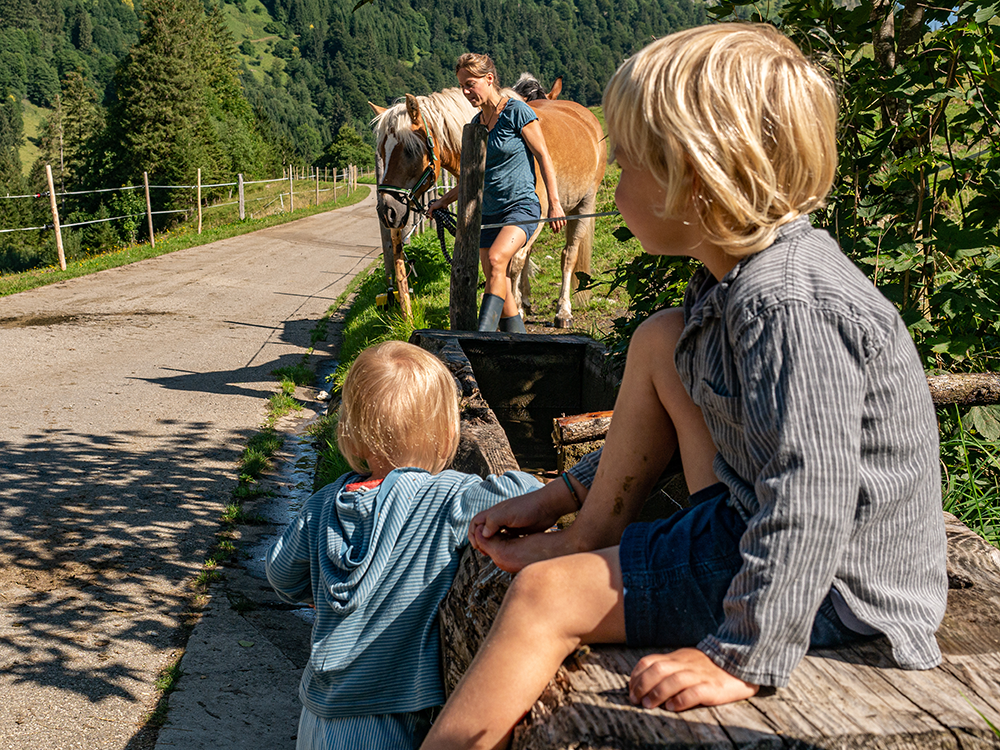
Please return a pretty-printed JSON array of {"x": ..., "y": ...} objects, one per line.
[{"x": 852, "y": 697}]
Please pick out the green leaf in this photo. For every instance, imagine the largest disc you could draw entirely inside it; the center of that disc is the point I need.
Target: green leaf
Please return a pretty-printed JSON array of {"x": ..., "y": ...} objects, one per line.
[
  {"x": 246, "y": 644},
  {"x": 622, "y": 234},
  {"x": 985, "y": 15},
  {"x": 986, "y": 421}
]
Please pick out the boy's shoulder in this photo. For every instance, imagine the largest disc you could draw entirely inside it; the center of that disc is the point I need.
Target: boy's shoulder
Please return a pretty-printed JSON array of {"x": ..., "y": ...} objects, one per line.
[{"x": 806, "y": 267}]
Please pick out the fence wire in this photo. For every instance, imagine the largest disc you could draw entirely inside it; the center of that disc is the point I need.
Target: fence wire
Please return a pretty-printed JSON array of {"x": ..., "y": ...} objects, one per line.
[{"x": 66, "y": 193}]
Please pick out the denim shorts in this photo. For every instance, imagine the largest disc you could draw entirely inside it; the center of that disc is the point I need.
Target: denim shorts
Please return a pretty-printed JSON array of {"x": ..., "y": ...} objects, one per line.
[
  {"x": 524, "y": 211},
  {"x": 676, "y": 572}
]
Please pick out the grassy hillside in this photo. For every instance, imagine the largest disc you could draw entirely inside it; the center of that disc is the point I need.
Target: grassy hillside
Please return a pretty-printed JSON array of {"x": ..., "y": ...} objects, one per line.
[{"x": 32, "y": 116}]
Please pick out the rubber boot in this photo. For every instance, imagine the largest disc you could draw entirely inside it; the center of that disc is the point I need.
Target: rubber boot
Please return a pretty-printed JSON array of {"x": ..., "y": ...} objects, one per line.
[
  {"x": 513, "y": 324},
  {"x": 489, "y": 313}
]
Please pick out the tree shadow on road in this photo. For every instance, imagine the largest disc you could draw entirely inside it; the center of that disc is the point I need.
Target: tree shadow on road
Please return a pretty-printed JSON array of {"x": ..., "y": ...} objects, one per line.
[{"x": 103, "y": 535}]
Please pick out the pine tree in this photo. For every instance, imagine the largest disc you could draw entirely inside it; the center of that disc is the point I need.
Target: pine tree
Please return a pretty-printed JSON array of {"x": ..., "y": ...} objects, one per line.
[
  {"x": 66, "y": 135},
  {"x": 160, "y": 123}
]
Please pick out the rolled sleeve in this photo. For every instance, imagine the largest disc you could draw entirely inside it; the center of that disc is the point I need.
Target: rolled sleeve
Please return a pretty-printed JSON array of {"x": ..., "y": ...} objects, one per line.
[{"x": 585, "y": 469}]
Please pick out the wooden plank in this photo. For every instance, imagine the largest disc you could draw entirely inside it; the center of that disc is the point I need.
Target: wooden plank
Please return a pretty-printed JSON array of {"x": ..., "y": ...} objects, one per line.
[{"x": 582, "y": 427}]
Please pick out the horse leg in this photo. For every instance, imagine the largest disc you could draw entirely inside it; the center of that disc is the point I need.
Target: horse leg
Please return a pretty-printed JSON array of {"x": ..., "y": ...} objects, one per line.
[
  {"x": 575, "y": 257},
  {"x": 520, "y": 274}
]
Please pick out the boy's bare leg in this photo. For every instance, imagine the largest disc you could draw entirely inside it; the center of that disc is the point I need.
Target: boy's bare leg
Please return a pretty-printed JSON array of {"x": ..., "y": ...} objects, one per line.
[
  {"x": 654, "y": 416},
  {"x": 550, "y": 610}
]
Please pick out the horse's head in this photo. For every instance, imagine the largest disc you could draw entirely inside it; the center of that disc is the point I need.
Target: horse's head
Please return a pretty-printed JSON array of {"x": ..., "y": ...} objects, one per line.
[
  {"x": 530, "y": 88},
  {"x": 407, "y": 153}
]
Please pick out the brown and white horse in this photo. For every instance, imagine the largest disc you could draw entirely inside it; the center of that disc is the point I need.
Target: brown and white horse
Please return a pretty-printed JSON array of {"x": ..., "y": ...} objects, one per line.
[{"x": 422, "y": 135}]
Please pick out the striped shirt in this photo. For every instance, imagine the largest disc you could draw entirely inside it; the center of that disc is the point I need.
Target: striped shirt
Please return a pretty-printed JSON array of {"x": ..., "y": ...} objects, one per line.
[
  {"x": 377, "y": 564},
  {"x": 818, "y": 405}
]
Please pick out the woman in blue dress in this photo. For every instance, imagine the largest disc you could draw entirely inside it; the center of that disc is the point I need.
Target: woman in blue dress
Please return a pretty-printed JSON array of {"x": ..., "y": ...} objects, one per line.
[{"x": 515, "y": 140}]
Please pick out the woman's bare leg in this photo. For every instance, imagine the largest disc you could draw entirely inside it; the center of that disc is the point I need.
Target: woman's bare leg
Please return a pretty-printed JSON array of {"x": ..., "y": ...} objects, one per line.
[
  {"x": 495, "y": 260},
  {"x": 550, "y": 610}
]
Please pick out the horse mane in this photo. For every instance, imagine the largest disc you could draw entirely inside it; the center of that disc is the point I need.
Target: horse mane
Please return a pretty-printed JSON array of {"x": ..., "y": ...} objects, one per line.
[
  {"x": 446, "y": 112},
  {"x": 530, "y": 88}
]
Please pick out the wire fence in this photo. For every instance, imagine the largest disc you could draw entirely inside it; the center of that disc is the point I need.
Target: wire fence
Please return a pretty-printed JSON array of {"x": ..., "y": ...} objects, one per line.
[{"x": 206, "y": 197}]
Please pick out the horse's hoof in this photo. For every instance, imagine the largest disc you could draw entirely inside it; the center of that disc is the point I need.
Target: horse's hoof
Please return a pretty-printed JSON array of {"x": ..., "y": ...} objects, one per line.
[{"x": 564, "y": 322}]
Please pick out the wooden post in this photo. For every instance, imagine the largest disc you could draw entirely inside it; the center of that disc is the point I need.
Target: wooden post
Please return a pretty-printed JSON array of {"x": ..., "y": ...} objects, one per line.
[
  {"x": 55, "y": 217},
  {"x": 465, "y": 261},
  {"x": 241, "y": 196},
  {"x": 291, "y": 192},
  {"x": 199, "y": 200},
  {"x": 149, "y": 210},
  {"x": 402, "y": 287},
  {"x": 317, "y": 184}
]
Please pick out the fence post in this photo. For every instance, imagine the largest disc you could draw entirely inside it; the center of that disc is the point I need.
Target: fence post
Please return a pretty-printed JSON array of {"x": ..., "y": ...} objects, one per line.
[
  {"x": 55, "y": 217},
  {"x": 399, "y": 262},
  {"x": 242, "y": 198},
  {"x": 149, "y": 209},
  {"x": 317, "y": 184},
  {"x": 291, "y": 191},
  {"x": 199, "y": 200},
  {"x": 465, "y": 260}
]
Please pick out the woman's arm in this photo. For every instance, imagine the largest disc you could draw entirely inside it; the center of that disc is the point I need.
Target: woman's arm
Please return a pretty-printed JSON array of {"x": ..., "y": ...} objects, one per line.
[
  {"x": 443, "y": 202},
  {"x": 533, "y": 136}
]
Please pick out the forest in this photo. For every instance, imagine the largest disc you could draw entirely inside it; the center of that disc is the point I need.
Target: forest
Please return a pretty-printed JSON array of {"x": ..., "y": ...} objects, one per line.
[{"x": 123, "y": 87}]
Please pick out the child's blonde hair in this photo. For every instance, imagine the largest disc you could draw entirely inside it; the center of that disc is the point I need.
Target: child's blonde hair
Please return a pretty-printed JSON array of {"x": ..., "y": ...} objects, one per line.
[
  {"x": 478, "y": 66},
  {"x": 735, "y": 120},
  {"x": 399, "y": 405}
]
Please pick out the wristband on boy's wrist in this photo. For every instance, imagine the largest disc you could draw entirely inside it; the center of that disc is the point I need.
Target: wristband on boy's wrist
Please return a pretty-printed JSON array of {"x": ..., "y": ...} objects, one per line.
[{"x": 572, "y": 492}]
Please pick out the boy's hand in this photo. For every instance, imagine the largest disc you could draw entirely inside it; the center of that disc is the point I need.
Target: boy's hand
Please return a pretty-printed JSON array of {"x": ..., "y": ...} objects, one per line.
[
  {"x": 526, "y": 514},
  {"x": 683, "y": 679}
]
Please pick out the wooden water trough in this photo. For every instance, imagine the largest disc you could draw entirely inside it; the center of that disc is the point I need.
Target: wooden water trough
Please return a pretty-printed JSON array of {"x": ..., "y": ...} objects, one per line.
[{"x": 852, "y": 697}]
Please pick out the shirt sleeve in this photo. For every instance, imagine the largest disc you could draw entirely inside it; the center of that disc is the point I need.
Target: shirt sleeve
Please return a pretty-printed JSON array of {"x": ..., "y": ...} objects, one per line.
[
  {"x": 585, "y": 469},
  {"x": 521, "y": 114},
  {"x": 485, "y": 493},
  {"x": 802, "y": 374},
  {"x": 287, "y": 562}
]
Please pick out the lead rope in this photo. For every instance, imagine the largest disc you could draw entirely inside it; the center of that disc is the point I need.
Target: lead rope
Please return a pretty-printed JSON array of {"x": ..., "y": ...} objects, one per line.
[{"x": 445, "y": 220}]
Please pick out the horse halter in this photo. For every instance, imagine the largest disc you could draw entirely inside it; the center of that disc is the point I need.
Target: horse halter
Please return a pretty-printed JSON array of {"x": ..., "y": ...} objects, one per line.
[{"x": 408, "y": 196}]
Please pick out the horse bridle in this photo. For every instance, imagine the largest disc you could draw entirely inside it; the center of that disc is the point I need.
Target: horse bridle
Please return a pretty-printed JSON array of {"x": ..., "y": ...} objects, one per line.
[{"x": 409, "y": 195}]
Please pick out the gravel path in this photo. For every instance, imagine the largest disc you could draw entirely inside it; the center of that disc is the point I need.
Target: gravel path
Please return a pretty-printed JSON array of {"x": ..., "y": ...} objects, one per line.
[{"x": 125, "y": 400}]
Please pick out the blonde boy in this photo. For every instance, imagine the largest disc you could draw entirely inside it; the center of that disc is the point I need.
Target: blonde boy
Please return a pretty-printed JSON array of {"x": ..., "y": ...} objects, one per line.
[
  {"x": 789, "y": 386},
  {"x": 376, "y": 551}
]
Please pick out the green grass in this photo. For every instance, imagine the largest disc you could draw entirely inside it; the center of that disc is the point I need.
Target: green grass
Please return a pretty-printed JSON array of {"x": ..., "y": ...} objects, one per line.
[
  {"x": 301, "y": 373},
  {"x": 330, "y": 464},
  {"x": 970, "y": 464},
  {"x": 180, "y": 238},
  {"x": 32, "y": 117},
  {"x": 166, "y": 682}
]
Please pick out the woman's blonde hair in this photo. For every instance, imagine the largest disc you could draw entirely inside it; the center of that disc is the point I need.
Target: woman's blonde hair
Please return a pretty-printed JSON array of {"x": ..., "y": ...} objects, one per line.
[
  {"x": 735, "y": 120},
  {"x": 478, "y": 66},
  {"x": 400, "y": 405}
]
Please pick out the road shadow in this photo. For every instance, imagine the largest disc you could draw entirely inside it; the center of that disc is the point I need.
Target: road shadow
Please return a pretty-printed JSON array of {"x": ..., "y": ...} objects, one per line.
[{"x": 102, "y": 536}]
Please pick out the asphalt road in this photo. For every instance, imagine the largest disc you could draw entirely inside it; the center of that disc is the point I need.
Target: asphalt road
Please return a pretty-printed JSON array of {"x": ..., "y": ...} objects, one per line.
[{"x": 125, "y": 400}]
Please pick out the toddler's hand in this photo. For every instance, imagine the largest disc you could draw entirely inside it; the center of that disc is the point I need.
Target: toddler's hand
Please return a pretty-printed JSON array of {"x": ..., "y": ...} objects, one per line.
[{"x": 683, "y": 679}]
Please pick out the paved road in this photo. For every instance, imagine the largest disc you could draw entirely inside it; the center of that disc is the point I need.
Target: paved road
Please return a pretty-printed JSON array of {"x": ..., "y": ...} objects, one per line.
[{"x": 125, "y": 400}]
